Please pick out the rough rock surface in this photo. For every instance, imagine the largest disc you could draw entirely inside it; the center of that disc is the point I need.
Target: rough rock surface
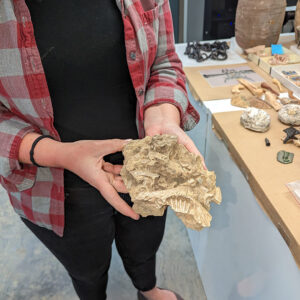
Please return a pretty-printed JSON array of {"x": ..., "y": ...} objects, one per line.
[
  {"x": 290, "y": 114},
  {"x": 158, "y": 172},
  {"x": 256, "y": 119}
]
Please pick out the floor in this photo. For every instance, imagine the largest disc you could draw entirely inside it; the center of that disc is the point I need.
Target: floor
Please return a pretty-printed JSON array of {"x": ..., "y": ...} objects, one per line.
[{"x": 29, "y": 271}]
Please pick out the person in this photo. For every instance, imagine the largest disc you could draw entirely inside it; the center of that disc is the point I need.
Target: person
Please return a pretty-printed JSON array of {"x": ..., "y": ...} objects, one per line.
[{"x": 77, "y": 80}]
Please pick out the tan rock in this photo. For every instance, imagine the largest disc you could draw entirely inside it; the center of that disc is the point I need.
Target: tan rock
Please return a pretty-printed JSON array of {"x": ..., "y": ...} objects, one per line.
[
  {"x": 237, "y": 89},
  {"x": 272, "y": 100},
  {"x": 158, "y": 172}
]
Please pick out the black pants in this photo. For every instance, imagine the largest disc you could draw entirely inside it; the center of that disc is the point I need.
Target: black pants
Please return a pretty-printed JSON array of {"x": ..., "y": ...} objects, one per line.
[{"x": 91, "y": 225}]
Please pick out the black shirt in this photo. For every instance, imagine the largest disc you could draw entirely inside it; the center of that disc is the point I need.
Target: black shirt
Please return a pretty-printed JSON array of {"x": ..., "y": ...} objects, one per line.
[{"x": 83, "y": 53}]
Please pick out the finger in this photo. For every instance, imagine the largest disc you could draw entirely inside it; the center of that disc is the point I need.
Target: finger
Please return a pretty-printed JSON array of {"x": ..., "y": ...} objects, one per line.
[
  {"x": 190, "y": 146},
  {"x": 112, "y": 197},
  {"x": 117, "y": 182},
  {"x": 114, "y": 169},
  {"x": 113, "y": 146}
]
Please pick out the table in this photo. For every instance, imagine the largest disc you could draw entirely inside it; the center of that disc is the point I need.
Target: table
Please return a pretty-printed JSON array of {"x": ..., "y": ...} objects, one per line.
[{"x": 242, "y": 255}]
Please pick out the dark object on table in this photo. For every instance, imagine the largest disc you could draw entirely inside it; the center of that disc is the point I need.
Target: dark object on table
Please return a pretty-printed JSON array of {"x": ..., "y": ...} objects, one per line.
[
  {"x": 290, "y": 134},
  {"x": 268, "y": 144},
  {"x": 285, "y": 157},
  {"x": 201, "y": 52}
]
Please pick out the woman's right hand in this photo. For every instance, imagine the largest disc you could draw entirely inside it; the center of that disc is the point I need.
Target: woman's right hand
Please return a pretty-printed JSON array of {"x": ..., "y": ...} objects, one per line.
[{"x": 85, "y": 159}]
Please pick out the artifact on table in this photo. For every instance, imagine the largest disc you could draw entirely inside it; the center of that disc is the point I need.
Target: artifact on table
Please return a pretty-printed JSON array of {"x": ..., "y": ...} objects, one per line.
[
  {"x": 297, "y": 142},
  {"x": 266, "y": 86},
  {"x": 290, "y": 114},
  {"x": 272, "y": 100},
  {"x": 297, "y": 23},
  {"x": 237, "y": 89},
  {"x": 239, "y": 100},
  {"x": 204, "y": 51},
  {"x": 256, "y": 119},
  {"x": 258, "y": 50},
  {"x": 258, "y": 103},
  {"x": 254, "y": 90},
  {"x": 295, "y": 99},
  {"x": 279, "y": 85},
  {"x": 259, "y": 23},
  {"x": 268, "y": 144},
  {"x": 159, "y": 172},
  {"x": 285, "y": 157},
  {"x": 291, "y": 133},
  {"x": 279, "y": 59}
]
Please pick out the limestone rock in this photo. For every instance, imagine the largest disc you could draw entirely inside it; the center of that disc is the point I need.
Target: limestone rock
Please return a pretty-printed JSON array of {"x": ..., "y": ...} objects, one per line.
[
  {"x": 258, "y": 103},
  {"x": 290, "y": 114},
  {"x": 256, "y": 119},
  {"x": 272, "y": 100},
  {"x": 158, "y": 172}
]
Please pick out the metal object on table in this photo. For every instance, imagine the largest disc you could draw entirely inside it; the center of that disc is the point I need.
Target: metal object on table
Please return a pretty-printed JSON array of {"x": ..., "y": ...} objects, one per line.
[
  {"x": 268, "y": 144},
  {"x": 285, "y": 157},
  {"x": 291, "y": 133},
  {"x": 200, "y": 52}
]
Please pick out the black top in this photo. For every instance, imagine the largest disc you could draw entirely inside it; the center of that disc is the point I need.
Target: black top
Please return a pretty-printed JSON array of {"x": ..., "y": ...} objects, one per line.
[{"x": 82, "y": 47}]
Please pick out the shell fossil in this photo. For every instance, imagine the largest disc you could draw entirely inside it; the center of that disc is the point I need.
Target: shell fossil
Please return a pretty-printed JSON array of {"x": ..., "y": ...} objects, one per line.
[
  {"x": 290, "y": 114},
  {"x": 159, "y": 172}
]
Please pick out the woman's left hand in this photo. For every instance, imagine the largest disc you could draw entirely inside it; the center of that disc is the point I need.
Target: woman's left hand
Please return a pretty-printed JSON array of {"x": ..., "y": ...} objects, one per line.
[{"x": 165, "y": 119}]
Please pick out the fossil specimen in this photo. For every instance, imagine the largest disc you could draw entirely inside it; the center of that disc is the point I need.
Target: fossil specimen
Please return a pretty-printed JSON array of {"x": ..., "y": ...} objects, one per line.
[
  {"x": 266, "y": 86},
  {"x": 296, "y": 142},
  {"x": 277, "y": 82},
  {"x": 272, "y": 100},
  {"x": 258, "y": 50},
  {"x": 159, "y": 172},
  {"x": 256, "y": 119},
  {"x": 255, "y": 91},
  {"x": 258, "y": 103},
  {"x": 239, "y": 101},
  {"x": 279, "y": 59},
  {"x": 237, "y": 89},
  {"x": 290, "y": 114}
]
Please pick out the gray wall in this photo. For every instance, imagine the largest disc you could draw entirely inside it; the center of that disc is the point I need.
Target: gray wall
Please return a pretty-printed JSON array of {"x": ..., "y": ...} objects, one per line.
[{"x": 195, "y": 20}]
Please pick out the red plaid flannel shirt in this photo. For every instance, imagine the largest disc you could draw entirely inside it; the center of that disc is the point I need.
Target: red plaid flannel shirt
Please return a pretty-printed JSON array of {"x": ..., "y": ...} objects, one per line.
[{"x": 37, "y": 194}]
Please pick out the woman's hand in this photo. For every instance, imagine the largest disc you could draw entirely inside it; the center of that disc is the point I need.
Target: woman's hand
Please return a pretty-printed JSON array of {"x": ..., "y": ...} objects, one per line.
[
  {"x": 165, "y": 119},
  {"x": 85, "y": 158}
]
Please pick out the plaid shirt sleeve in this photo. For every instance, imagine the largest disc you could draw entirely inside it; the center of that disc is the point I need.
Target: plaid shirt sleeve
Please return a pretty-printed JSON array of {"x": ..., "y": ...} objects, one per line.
[
  {"x": 167, "y": 79},
  {"x": 14, "y": 175}
]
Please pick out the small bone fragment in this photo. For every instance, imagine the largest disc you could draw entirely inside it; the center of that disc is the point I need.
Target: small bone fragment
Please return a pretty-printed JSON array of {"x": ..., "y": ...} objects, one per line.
[
  {"x": 266, "y": 86},
  {"x": 258, "y": 103},
  {"x": 258, "y": 50},
  {"x": 239, "y": 101},
  {"x": 279, "y": 59},
  {"x": 279, "y": 85},
  {"x": 255, "y": 91},
  {"x": 296, "y": 142},
  {"x": 272, "y": 100},
  {"x": 237, "y": 89},
  {"x": 285, "y": 101}
]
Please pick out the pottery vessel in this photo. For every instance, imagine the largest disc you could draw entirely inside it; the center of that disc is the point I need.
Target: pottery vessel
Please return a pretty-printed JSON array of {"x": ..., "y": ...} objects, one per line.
[{"x": 259, "y": 22}]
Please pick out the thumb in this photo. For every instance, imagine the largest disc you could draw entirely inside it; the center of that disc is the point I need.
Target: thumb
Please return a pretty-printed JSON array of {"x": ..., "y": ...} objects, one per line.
[{"x": 113, "y": 145}]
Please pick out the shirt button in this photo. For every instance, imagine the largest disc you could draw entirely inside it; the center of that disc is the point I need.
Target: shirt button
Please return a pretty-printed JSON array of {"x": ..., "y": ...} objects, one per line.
[
  {"x": 132, "y": 55},
  {"x": 140, "y": 92}
]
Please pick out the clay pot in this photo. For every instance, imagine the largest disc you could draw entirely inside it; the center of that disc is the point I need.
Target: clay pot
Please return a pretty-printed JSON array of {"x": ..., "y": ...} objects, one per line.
[
  {"x": 259, "y": 22},
  {"x": 297, "y": 22}
]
